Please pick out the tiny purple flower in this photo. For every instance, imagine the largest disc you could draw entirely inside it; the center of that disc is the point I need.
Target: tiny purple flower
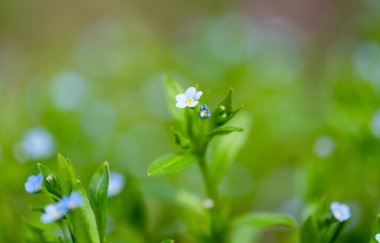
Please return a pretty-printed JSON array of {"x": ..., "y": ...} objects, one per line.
[
  {"x": 34, "y": 183},
  {"x": 189, "y": 98}
]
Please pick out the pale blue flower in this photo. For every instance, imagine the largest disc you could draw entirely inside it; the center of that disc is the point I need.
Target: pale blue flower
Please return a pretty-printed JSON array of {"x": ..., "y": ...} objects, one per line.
[
  {"x": 189, "y": 98},
  {"x": 34, "y": 183},
  {"x": 116, "y": 184},
  {"x": 324, "y": 146},
  {"x": 73, "y": 201},
  {"x": 37, "y": 143},
  {"x": 377, "y": 237},
  {"x": 53, "y": 212},
  {"x": 340, "y": 211},
  {"x": 204, "y": 111}
]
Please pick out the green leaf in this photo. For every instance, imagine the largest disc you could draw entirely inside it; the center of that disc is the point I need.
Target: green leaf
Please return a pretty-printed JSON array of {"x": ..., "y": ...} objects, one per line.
[
  {"x": 170, "y": 163},
  {"x": 82, "y": 221},
  {"x": 168, "y": 241},
  {"x": 169, "y": 193},
  {"x": 309, "y": 231},
  {"x": 225, "y": 105},
  {"x": 181, "y": 140},
  {"x": 223, "y": 112},
  {"x": 224, "y": 130},
  {"x": 98, "y": 195},
  {"x": 68, "y": 175},
  {"x": 224, "y": 149},
  {"x": 224, "y": 119},
  {"x": 51, "y": 181},
  {"x": 259, "y": 220},
  {"x": 172, "y": 89}
]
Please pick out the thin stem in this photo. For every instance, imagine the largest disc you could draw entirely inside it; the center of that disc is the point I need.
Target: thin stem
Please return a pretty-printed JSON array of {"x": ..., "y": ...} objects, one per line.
[
  {"x": 337, "y": 231},
  {"x": 62, "y": 226}
]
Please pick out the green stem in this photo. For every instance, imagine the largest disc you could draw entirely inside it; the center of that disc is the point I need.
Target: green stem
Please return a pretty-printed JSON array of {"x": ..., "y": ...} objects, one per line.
[
  {"x": 336, "y": 233},
  {"x": 212, "y": 193},
  {"x": 62, "y": 226}
]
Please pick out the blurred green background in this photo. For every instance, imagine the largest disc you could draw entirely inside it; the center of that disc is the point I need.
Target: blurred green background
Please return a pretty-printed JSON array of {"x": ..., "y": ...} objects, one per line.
[{"x": 83, "y": 78}]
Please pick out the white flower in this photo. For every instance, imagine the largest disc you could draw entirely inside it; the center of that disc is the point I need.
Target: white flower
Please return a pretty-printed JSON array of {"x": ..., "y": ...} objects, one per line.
[
  {"x": 189, "y": 98},
  {"x": 377, "y": 237},
  {"x": 340, "y": 211}
]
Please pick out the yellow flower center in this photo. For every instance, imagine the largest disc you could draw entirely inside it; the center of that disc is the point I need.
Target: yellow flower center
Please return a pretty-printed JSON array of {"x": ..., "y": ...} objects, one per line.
[
  {"x": 190, "y": 100},
  {"x": 337, "y": 214}
]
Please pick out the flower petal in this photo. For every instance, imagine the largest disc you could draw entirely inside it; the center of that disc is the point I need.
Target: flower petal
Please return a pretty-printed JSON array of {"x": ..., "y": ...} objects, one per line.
[
  {"x": 191, "y": 93},
  {"x": 193, "y": 104},
  {"x": 198, "y": 95},
  {"x": 181, "y": 105},
  {"x": 180, "y": 98},
  {"x": 377, "y": 237}
]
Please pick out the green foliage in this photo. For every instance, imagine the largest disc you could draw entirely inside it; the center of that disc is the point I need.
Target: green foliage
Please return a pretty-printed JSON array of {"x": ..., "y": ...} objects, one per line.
[
  {"x": 98, "y": 193},
  {"x": 259, "y": 220},
  {"x": 82, "y": 221},
  {"x": 172, "y": 89},
  {"x": 170, "y": 163},
  {"x": 51, "y": 181},
  {"x": 224, "y": 131}
]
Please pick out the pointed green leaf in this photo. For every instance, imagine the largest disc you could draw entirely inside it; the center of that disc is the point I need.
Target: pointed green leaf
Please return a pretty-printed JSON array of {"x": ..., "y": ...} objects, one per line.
[
  {"x": 259, "y": 220},
  {"x": 68, "y": 175},
  {"x": 82, "y": 220},
  {"x": 225, "y": 105},
  {"x": 309, "y": 231},
  {"x": 224, "y": 149},
  {"x": 172, "y": 89},
  {"x": 181, "y": 140},
  {"x": 98, "y": 195},
  {"x": 51, "y": 181},
  {"x": 170, "y": 163},
  {"x": 224, "y": 130}
]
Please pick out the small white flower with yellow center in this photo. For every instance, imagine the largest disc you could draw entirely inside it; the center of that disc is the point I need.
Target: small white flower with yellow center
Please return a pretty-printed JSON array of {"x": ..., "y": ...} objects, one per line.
[
  {"x": 189, "y": 98},
  {"x": 340, "y": 211}
]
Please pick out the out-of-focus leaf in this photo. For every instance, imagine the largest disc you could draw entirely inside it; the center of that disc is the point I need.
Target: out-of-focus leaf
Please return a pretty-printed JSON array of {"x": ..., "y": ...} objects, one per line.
[
  {"x": 167, "y": 241},
  {"x": 224, "y": 130},
  {"x": 82, "y": 221},
  {"x": 168, "y": 193},
  {"x": 309, "y": 231},
  {"x": 98, "y": 195},
  {"x": 172, "y": 89},
  {"x": 181, "y": 140},
  {"x": 170, "y": 163},
  {"x": 224, "y": 149},
  {"x": 34, "y": 234},
  {"x": 51, "y": 181},
  {"x": 259, "y": 220}
]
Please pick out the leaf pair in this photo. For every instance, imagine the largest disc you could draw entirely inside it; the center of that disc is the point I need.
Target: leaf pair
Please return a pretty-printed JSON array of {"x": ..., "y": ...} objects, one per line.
[{"x": 86, "y": 223}]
